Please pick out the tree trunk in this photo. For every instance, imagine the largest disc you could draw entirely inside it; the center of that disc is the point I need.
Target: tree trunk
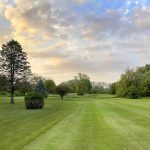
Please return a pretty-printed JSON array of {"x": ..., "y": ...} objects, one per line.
[
  {"x": 12, "y": 94},
  {"x": 12, "y": 99}
]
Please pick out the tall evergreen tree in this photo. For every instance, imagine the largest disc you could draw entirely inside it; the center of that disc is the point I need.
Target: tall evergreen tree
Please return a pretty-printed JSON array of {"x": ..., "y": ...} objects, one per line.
[
  {"x": 40, "y": 88},
  {"x": 13, "y": 64}
]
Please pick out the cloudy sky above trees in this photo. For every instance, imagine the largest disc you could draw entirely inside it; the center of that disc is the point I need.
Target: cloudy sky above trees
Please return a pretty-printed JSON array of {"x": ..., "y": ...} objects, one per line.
[{"x": 63, "y": 37}]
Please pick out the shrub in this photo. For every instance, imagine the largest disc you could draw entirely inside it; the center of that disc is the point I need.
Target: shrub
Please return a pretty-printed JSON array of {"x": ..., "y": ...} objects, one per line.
[
  {"x": 34, "y": 100},
  {"x": 62, "y": 90}
]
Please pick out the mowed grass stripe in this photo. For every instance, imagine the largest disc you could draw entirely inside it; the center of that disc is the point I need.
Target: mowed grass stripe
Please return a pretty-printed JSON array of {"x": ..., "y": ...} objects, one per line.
[
  {"x": 62, "y": 135},
  {"x": 13, "y": 114},
  {"x": 31, "y": 124},
  {"x": 137, "y": 116},
  {"x": 133, "y": 134},
  {"x": 135, "y": 104},
  {"x": 95, "y": 133}
]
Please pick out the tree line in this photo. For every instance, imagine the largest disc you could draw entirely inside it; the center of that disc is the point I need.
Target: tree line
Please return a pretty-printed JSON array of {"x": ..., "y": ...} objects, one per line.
[
  {"x": 133, "y": 83},
  {"x": 17, "y": 79}
]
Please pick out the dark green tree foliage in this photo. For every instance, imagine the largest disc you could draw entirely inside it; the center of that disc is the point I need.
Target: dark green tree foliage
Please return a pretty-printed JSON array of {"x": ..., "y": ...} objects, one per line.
[
  {"x": 40, "y": 88},
  {"x": 95, "y": 90},
  {"x": 50, "y": 85},
  {"x": 3, "y": 83},
  {"x": 113, "y": 88},
  {"x": 128, "y": 86},
  {"x": 134, "y": 84},
  {"x": 144, "y": 78},
  {"x": 13, "y": 64},
  {"x": 62, "y": 89},
  {"x": 145, "y": 86},
  {"x": 83, "y": 84}
]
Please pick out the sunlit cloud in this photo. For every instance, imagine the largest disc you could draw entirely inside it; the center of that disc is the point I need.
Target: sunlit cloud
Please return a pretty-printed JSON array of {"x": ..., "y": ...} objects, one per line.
[{"x": 62, "y": 38}]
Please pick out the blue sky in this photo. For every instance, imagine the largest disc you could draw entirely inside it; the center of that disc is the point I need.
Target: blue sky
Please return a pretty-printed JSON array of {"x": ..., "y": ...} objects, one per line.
[
  {"x": 98, "y": 37},
  {"x": 100, "y": 6}
]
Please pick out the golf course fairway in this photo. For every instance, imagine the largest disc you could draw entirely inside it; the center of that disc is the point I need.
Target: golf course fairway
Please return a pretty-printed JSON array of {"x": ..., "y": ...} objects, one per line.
[{"x": 90, "y": 122}]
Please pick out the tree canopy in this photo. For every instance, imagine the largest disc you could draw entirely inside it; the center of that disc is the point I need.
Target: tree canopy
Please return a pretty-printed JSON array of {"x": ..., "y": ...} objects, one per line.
[
  {"x": 14, "y": 64},
  {"x": 134, "y": 83},
  {"x": 83, "y": 83},
  {"x": 49, "y": 85},
  {"x": 62, "y": 89}
]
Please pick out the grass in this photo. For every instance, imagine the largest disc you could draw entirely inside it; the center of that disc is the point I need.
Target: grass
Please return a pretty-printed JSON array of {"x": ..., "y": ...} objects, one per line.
[{"x": 92, "y": 122}]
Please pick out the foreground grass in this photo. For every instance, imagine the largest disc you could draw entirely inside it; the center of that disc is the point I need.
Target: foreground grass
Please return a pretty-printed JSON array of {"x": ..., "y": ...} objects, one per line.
[{"x": 91, "y": 122}]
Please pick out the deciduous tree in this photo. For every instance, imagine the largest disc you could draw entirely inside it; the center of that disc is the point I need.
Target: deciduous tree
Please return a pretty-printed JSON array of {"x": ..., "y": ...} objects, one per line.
[
  {"x": 83, "y": 83},
  {"x": 62, "y": 90},
  {"x": 50, "y": 85}
]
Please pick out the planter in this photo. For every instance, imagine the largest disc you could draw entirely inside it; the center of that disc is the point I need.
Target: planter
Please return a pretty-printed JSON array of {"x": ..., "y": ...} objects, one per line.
[
  {"x": 34, "y": 101},
  {"x": 34, "y": 104}
]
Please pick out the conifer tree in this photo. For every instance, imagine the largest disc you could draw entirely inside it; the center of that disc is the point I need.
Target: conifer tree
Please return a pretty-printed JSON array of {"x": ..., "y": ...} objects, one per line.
[
  {"x": 40, "y": 88},
  {"x": 13, "y": 64}
]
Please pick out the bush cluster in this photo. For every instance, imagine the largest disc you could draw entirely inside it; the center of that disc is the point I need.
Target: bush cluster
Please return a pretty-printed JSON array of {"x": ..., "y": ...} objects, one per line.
[{"x": 34, "y": 100}]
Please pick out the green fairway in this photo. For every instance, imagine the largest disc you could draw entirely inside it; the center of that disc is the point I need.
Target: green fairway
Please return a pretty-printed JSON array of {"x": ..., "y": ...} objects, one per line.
[{"x": 89, "y": 122}]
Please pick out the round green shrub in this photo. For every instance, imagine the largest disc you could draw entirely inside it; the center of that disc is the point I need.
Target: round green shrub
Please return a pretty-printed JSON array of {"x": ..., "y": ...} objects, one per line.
[{"x": 34, "y": 100}]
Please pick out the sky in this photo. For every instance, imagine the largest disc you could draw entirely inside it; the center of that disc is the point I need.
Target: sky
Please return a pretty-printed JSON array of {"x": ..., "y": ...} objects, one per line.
[{"x": 62, "y": 38}]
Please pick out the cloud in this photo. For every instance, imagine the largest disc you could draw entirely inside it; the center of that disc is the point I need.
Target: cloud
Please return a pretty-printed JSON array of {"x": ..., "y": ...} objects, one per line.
[
  {"x": 99, "y": 27},
  {"x": 81, "y": 1},
  {"x": 32, "y": 17},
  {"x": 141, "y": 18},
  {"x": 2, "y": 5},
  {"x": 65, "y": 37},
  {"x": 38, "y": 21},
  {"x": 56, "y": 50},
  {"x": 139, "y": 22}
]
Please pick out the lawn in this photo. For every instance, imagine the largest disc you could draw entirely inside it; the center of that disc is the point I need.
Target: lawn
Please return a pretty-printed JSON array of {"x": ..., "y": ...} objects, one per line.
[{"x": 89, "y": 122}]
